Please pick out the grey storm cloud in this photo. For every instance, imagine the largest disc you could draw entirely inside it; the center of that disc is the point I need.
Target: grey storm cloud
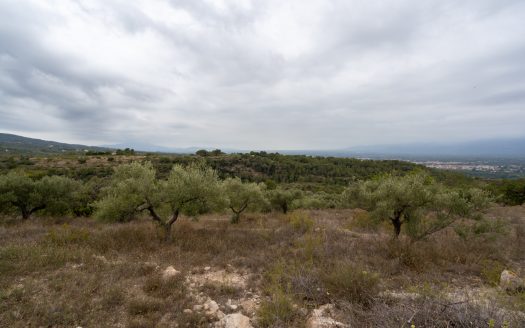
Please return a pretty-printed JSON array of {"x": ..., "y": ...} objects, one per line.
[{"x": 262, "y": 74}]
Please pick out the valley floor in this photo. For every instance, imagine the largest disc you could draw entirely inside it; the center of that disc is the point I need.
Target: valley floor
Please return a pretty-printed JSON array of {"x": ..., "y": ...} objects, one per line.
[{"x": 324, "y": 268}]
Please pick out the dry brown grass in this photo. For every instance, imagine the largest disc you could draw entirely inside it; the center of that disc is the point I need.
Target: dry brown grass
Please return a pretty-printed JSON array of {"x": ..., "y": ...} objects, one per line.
[{"x": 80, "y": 272}]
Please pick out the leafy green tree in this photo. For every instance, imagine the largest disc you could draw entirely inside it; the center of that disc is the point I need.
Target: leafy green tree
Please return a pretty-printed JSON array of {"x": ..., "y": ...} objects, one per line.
[
  {"x": 134, "y": 188},
  {"x": 127, "y": 151},
  {"x": 417, "y": 202},
  {"x": 86, "y": 195},
  {"x": 216, "y": 152},
  {"x": 202, "y": 153},
  {"x": 509, "y": 192},
  {"x": 19, "y": 193},
  {"x": 242, "y": 196},
  {"x": 282, "y": 198}
]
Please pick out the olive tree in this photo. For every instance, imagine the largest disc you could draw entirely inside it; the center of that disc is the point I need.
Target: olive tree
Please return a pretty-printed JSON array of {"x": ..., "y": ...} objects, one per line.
[
  {"x": 20, "y": 193},
  {"x": 417, "y": 202},
  {"x": 282, "y": 198},
  {"x": 241, "y": 196},
  {"x": 134, "y": 188}
]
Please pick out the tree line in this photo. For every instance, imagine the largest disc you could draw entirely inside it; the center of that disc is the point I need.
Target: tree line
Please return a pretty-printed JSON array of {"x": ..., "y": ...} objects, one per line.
[{"x": 414, "y": 203}]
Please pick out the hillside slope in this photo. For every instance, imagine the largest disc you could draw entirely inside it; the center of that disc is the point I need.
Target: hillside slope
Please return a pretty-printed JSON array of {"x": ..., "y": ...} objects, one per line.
[{"x": 11, "y": 143}]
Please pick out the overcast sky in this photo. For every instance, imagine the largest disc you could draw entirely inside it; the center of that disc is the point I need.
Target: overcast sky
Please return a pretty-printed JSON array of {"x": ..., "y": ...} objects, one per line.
[{"x": 303, "y": 74}]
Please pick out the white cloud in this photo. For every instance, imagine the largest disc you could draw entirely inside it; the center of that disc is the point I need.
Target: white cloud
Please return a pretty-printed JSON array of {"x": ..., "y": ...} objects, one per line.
[{"x": 262, "y": 74}]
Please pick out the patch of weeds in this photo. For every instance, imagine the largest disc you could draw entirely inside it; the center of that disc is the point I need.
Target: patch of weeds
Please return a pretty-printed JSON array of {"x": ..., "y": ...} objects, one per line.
[
  {"x": 156, "y": 286},
  {"x": 515, "y": 301},
  {"x": 363, "y": 221},
  {"x": 127, "y": 236},
  {"x": 305, "y": 283},
  {"x": 352, "y": 283},
  {"x": 35, "y": 258},
  {"x": 67, "y": 235},
  {"x": 278, "y": 311},
  {"x": 56, "y": 315},
  {"x": 310, "y": 246},
  {"x": 219, "y": 291},
  {"x": 301, "y": 221},
  {"x": 143, "y": 306},
  {"x": 194, "y": 319},
  {"x": 141, "y": 322},
  {"x": 427, "y": 291},
  {"x": 491, "y": 271},
  {"x": 113, "y": 297}
]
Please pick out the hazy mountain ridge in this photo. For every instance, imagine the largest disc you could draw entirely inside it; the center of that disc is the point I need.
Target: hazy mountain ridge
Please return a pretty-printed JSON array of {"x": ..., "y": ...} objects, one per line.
[
  {"x": 490, "y": 148},
  {"x": 20, "y": 144}
]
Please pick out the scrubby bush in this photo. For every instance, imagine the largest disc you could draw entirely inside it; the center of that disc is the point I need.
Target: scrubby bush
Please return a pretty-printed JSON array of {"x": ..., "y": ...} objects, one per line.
[
  {"x": 278, "y": 311},
  {"x": 21, "y": 194},
  {"x": 242, "y": 196},
  {"x": 282, "y": 199},
  {"x": 508, "y": 192},
  {"x": 352, "y": 283},
  {"x": 300, "y": 221}
]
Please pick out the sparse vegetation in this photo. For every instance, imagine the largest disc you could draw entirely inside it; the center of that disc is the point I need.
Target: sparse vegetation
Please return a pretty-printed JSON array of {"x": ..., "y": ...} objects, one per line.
[{"x": 276, "y": 268}]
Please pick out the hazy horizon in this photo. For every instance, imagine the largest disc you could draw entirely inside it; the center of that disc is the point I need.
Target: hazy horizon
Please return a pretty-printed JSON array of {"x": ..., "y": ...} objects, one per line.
[{"x": 321, "y": 75}]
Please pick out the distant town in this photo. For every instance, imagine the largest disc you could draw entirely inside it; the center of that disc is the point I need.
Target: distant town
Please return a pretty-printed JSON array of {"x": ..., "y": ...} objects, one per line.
[{"x": 488, "y": 168}]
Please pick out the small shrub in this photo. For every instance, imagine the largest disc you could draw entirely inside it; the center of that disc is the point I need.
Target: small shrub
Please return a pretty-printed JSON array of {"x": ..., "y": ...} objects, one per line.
[
  {"x": 156, "y": 286},
  {"x": 301, "y": 222},
  {"x": 277, "y": 311},
  {"x": 142, "y": 306},
  {"x": 352, "y": 283},
  {"x": 310, "y": 247},
  {"x": 305, "y": 284},
  {"x": 363, "y": 221},
  {"x": 491, "y": 271}
]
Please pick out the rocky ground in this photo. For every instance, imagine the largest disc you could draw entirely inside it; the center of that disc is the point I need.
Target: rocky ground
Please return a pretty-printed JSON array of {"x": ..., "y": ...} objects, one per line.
[{"x": 315, "y": 269}]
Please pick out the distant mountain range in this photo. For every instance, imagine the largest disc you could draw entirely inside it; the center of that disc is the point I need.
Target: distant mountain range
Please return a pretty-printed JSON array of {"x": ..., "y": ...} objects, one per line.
[
  {"x": 11, "y": 143},
  {"x": 492, "y": 148}
]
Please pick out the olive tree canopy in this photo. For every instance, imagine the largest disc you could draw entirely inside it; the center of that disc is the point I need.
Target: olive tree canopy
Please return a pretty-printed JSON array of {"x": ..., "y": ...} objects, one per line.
[
  {"x": 20, "y": 193},
  {"x": 417, "y": 202},
  {"x": 134, "y": 188},
  {"x": 282, "y": 198},
  {"x": 242, "y": 196}
]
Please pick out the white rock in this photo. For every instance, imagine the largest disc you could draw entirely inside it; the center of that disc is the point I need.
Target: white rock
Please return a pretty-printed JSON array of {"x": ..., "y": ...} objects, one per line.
[
  {"x": 235, "y": 320},
  {"x": 320, "y": 318},
  {"x": 211, "y": 308},
  {"x": 510, "y": 281},
  {"x": 207, "y": 268},
  {"x": 187, "y": 311},
  {"x": 197, "y": 307},
  {"x": 169, "y": 272}
]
